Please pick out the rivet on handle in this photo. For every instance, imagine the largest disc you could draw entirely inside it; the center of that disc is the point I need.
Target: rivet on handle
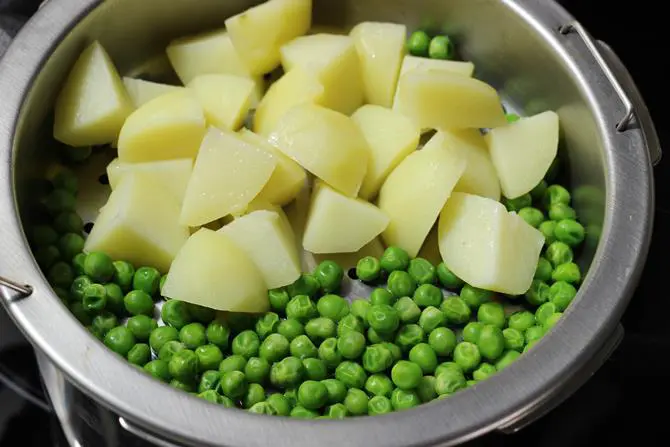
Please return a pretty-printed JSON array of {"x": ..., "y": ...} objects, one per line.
[{"x": 12, "y": 291}]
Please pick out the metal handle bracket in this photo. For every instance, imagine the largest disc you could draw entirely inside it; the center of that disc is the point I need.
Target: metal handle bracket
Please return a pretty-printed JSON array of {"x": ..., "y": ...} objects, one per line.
[{"x": 12, "y": 291}]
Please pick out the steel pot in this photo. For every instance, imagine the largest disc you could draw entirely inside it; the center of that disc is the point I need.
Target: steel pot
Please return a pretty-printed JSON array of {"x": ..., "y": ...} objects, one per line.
[{"x": 532, "y": 50}]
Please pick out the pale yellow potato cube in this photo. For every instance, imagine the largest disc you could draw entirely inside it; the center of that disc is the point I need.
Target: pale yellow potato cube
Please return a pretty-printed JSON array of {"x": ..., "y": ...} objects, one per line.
[
  {"x": 260, "y": 31},
  {"x": 430, "y": 250},
  {"x": 228, "y": 174},
  {"x": 168, "y": 127},
  {"x": 349, "y": 260},
  {"x": 287, "y": 179},
  {"x": 225, "y": 99},
  {"x": 141, "y": 91},
  {"x": 326, "y": 143},
  {"x": 293, "y": 88},
  {"x": 171, "y": 176},
  {"x": 264, "y": 238},
  {"x": 415, "y": 193},
  {"x": 333, "y": 59},
  {"x": 340, "y": 224},
  {"x": 436, "y": 99},
  {"x": 93, "y": 103},
  {"x": 212, "y": 271},
  {"x": 486, "y": 246},
  {"x": 523, "y": 151},
  {"x": 381, "y": 47},
  {"x": 480, "y": 177},
  {"x": 260, "y": 204},
  {"x": 139, "y": 224},
  {"x": 296, "y": 213},
  {"x": 391, "y": 137}
]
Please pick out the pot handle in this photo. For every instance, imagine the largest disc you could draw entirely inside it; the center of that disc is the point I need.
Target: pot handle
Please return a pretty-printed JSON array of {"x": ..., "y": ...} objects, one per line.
[{"x": 637, "y": 114}]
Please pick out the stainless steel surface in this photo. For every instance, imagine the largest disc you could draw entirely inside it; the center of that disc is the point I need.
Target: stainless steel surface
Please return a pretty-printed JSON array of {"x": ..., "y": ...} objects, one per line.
[
  {"x": 144, "y": 435},
  {"x": 515, "y": 45},
  {"x": 12, "y": 291}
]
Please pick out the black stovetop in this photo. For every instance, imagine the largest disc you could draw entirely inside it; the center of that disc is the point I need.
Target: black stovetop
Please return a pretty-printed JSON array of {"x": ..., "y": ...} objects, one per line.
[{"x": 615, "y": 401}]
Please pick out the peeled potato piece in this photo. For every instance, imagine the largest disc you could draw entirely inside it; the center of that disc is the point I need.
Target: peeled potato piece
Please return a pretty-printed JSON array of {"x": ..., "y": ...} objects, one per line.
[
  {"x": 225, "y": 99},
  {"x": 141, "y": 91},
  {"x": 212, "y": 271}
]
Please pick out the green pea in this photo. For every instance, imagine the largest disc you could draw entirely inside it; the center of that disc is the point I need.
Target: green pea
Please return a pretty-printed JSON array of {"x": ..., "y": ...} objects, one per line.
[
  {"x": 475, "y": 297},
  {"x": 548, "y": 228},
  {"x": 193, "y": 335},
  {"x": 350, "y": 323},
  {"x": 424, "y": 356},
  {"x": 218, "y": 333},
  {"x": 351, "y": 345},
  {"x": 377, "y": 358},
  {"x": 381, "y": 296},
  {"x": 123, "y": 275},
  {"x": 141, "y": 326},
  {"x": 351, "y": 374},
  {"x": 147, "y": 280},
  {"x": 79, "y": 285},
  {"x": 491, "y": 342},
  {"x": 279, "y": 404},
  {"x": 209, "y": 381},
  {"x": 422, "y": 271},
  {"x": 158, "y": 369},
  {"x": 401, "y": 284},
  {"x": 302, "y": 347},
  {"x": 406, "y": 375},
  {"x": 532, "y": 216},
  {"x": 408, "y": 310},
  {"x": 233, "y": 363},
  {"x": 534, "y": 333},
  {"x": 556, "y": 194},
  {"x": 169, "y": 349},
  {"x": 507, "y": 358},
  {"x": 104, "y": 322},
  {"x": 301, "y": 308},
  {"x": 305, "y": 285},
  {"x": 95, "y": 298},
  {"x": 290, "y": 329},
  {"x": 69, "y": 222},
  {"x": 404, "y": 399},
  {"x": 69, "y": 245},
  {"x": 442, "y": 340},
  {"x": 545, "y": 311},
  {"x": 447, "y": 366},
  {"x": 570, "y": 232},
  {"x": 201, "y": 314},
  {"x": 246, "y": 344},
  {"x": 287, "y": 373},
  {"x": 233, "y": 384},
  {"x": 115, "y": 298},
  {"x": 140, "y": 354},
  {"x": 329, "y": 274},
  {"x": 409, "y": 336},
  {"x": 333, "y": 306},
  {"x": 449, "y": 381},
  {"x": 455, "y": 310},
  {"x": 447, "y": 278},
  {"x": 521, "y": 320},
  {"x": 396, "y": 352},
  {"x": 301, "y": 412},
  {"x": 517, "y": 204},
  {"x": 209, "y": 357},
  {"x": 43, "y": 235},
  {"x": 538, "y": 293},
  {"x": 329, "y": 353},
  {"x": 383, "y": 318},
  {"x": 431, "y": 318},
  {"x": 418, "y": 44},
  {"x": 552, "y": 320},
  {"x": 255, "y": 394},
  {"x": 210, "y": 396},
  {"x": 336, "y": 411},
  {"x": 379, "y": 405},
  {"x": 426, "y": 389},
  {"x": 320, "y": 328},
  {"x": 278, "y": 299},
  {"x": 183, "y": 386},
  {"x": 561, "y": 294},
  {"x": 225, "y": 401},
  {"x": 440, "y": 48},
  {"x": 514, "y": 339},
  {"x": 377, "y": 337},
  {"x": 530, "y": 345},
  {"x": 267, "y": 324},
  {"x": 543, "y": 270},
  {"x": 560, "y": 211},
  {"x": 274, "y": 348},
  {"x": 47, "y": 256},
  {"x": 467, "y": 356},
  {"x": 99, "y": 267},
  {"x": 120, "y": 340},
  {"x": 368, "y": 269},
  {"x": 484, "y": 371},
  {"x": 137, "y": 302},
  {"x": 512, "y": 117},
  {"x": 472, "y": 331},
  {"x": 428, "y": 295},
  {"x": 80, "y": 313},
  {"x": 315, "y": 369},
  {"x": 379, "y": 385},
  {"x": 538, "y": 192},
  {"x": 162, "y": 335},
  {"x": 568, "y": 272},
  {"x": 174, "y": 312},
  {"x": 312, "y": 394},
  {"x": 60, "y": 275},
  {"x": 337, "y": 391},
  {"x": 59, "y": 200},
  {"x": 493, "y": 314},
  {"x": 356, "y": 402}
]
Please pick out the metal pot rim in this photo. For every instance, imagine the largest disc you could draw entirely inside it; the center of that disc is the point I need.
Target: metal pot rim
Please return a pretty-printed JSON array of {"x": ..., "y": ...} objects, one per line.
[{"x": 509, "y": 394}]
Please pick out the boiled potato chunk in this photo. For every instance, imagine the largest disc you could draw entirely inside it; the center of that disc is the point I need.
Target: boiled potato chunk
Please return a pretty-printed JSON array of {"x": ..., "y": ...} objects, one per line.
[
  {"x": 480, "y": 177},
  {"x": 287, "y": 179},
  {"x": 170, "y": 175},
  {"x": 391, "y": 137},
  {"x": 264, "y": 238},
  {"x": 259, "y": 32},
  {"x": 415, "y": 193},
  {"x": 139, "y": 224},
  {"x": 228, "y": 174},
  {"x": 430, "y": 250},
  {"x": 168, "y": 127},
  {"x": 259, "y": 204},
  {"x": 340, "y": 224},
  {"x": 225, "y": 99},
  {"x": 437, "y": 99},
  {"x": 212, "y": 271},
  {"x": 333, "y": 59},
  {"x": 326, "y": 143},
  {"x": 523, "y": 151},
  {"x": 349, "y": 260},
  {"x": 486, "y": 246},
  {"x": 381, "y": 47},
  {"x": 93, "y": 103},
  {"x": 295, "y": 87},
  {"x": 141, "y": 91}
]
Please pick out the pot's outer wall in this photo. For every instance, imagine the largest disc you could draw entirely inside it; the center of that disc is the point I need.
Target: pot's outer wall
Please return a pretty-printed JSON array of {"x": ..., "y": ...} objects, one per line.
[{"x": 515, "y": 46}]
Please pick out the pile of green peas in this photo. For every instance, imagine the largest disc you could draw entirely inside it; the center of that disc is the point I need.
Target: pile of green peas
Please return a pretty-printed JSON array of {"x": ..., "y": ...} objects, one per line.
[{"x": 421, "y": 44}]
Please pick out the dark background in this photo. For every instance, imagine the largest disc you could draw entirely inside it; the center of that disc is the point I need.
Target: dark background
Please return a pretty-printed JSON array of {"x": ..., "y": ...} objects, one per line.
[{"x": 620, "y": 400}]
